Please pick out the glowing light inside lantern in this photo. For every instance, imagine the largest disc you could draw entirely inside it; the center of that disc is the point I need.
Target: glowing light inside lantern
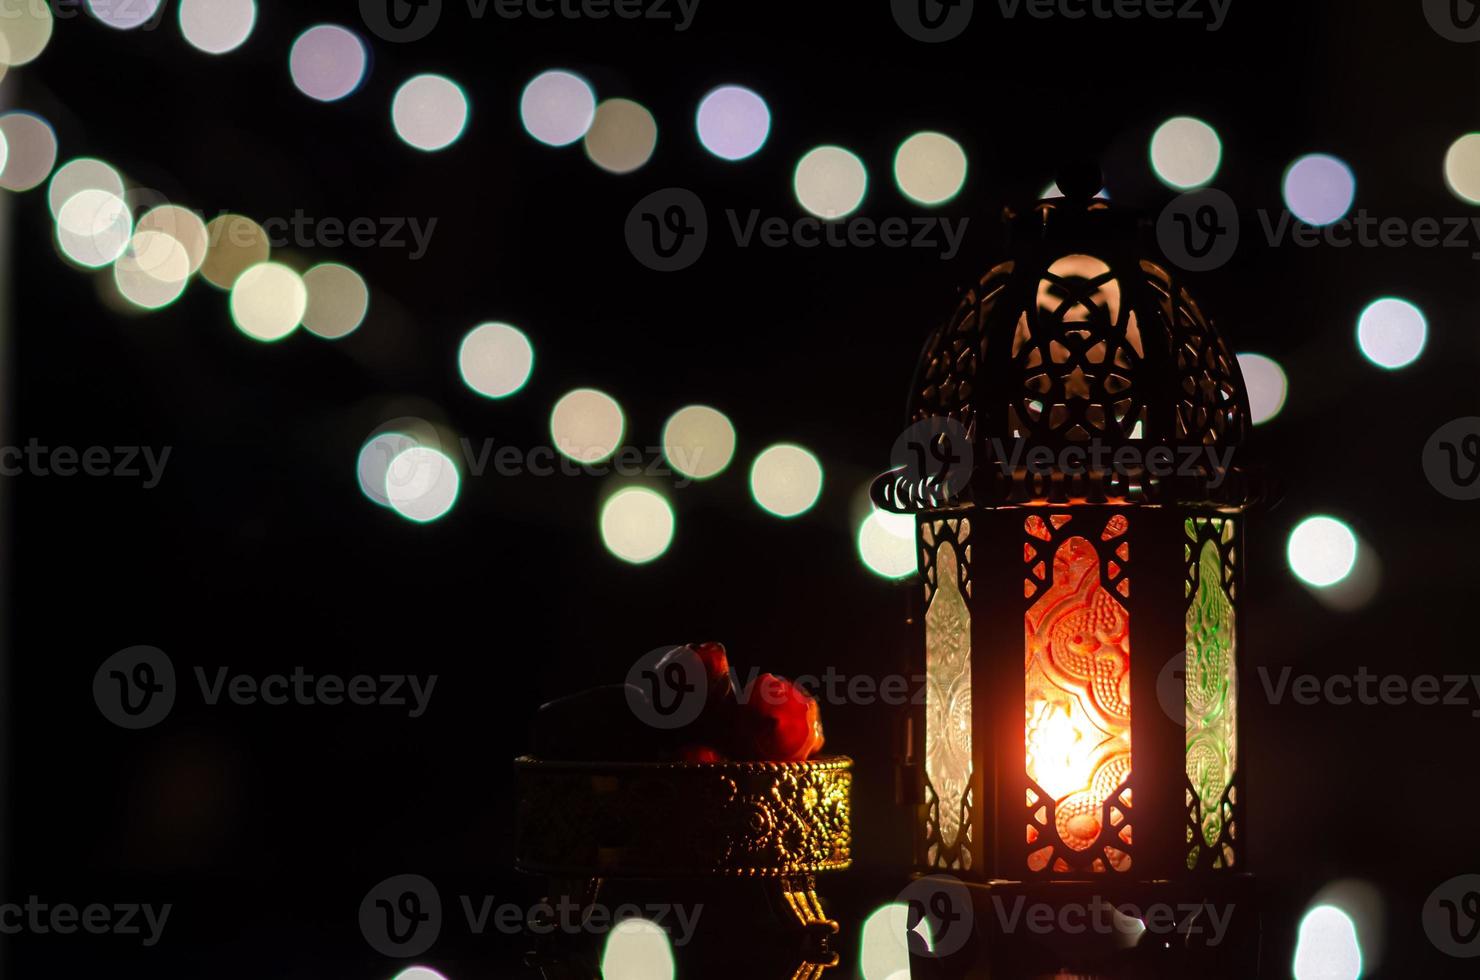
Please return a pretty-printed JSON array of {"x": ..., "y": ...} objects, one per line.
[{"x": 1077, "y": 684}]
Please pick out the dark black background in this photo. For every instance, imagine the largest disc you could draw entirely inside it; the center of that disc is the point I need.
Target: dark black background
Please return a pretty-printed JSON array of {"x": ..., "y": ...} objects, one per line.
[{"x": 266, "y": 826}]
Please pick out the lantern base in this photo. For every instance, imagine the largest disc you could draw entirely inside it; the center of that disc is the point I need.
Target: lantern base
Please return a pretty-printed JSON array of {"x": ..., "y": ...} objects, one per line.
[{"x": 1204, "y": 926}]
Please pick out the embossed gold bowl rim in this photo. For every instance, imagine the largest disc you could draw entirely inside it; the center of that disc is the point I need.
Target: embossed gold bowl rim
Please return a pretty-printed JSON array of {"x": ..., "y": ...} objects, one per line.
[
  {"x": 822, "y": 763},
  {"x": 537, "y": 852}
]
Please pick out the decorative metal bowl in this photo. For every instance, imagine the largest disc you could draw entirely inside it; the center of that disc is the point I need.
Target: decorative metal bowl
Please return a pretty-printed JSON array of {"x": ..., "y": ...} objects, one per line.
[{"x": 679, "y": 819}]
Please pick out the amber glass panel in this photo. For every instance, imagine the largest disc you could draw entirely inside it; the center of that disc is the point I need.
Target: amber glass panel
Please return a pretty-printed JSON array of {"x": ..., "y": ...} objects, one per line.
[
  {"x": 948, "y": 704},
  {"x": 1212, "y": 692},
  {"x": 1078, "y": 712}
]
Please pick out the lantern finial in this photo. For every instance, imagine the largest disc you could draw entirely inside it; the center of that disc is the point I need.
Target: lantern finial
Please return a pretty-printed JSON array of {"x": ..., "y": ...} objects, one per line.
[{"x": 1080, "y": 177}]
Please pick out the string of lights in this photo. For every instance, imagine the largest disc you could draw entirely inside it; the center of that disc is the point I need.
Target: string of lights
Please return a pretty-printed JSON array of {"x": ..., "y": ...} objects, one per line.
[{"x": 152, "y": 259}]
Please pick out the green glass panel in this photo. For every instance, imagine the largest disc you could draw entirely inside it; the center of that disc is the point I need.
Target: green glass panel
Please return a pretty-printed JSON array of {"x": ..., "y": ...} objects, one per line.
[{"x": 1212, "y": 692}]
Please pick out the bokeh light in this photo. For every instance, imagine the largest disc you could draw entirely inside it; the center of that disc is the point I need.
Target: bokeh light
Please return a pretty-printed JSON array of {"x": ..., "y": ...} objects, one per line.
[
  {"x": 495, "y": 359},
  {"x": 1185, "y": 152},
  {"x": 698, "y": 441},
  {"x": 94, "y": 227},
  {"x": 830, "y": 182},
  {"x": 637, "y": 949},
  {"x": 31, "y": 150},
  {"x": 374, "y": 462},
  {"x": 217, "y": 26},
  {"x": 883, "y": 949},
  {"x": 557, "y": 107},
  {"x": 328, "y": 62},
  {"x": 430, "y": 112},
  {"x": 1392, "y": 332},
  {"x": 1321, "y": 551},
  {"x": 268, "y": 301},
  {"x": 637, "y": 524},
  {"x": 153, "y": 269},
  {"x": 235, "y": 243},
  {"x": 123, "y": 15},
  {"x": 83, "y": 173},
  {"x": 786, "y": 480},
  {"x": 1319, "y": 189},
  {"x": 930, "y": 168},
  {"x": 1327, "y": 947},
  {"x": 1362, "y": 901},
  {"x": 338, "y": 300},
  {"x": 622, "y": 137},
  {"x": 25, "y": 30},
  {"x": 886, "y": 543},
  {"x": 587, "y": 425},
  {"x": 1267, "y": 386},
  {"x": 184, "y": 226},
  {"x": 422, "y": 483},
  {"x": 1462, "y": 168},
  {"x": 733, "y": 122}
]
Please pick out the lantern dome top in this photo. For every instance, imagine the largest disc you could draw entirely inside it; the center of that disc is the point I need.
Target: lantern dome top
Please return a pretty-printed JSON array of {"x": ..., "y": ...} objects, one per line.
[{"x": 1073, "y": 372}]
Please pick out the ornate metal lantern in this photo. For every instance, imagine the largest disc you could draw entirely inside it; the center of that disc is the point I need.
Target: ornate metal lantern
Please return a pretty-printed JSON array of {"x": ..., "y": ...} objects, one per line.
[{"x": 1073, "y": 467}]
